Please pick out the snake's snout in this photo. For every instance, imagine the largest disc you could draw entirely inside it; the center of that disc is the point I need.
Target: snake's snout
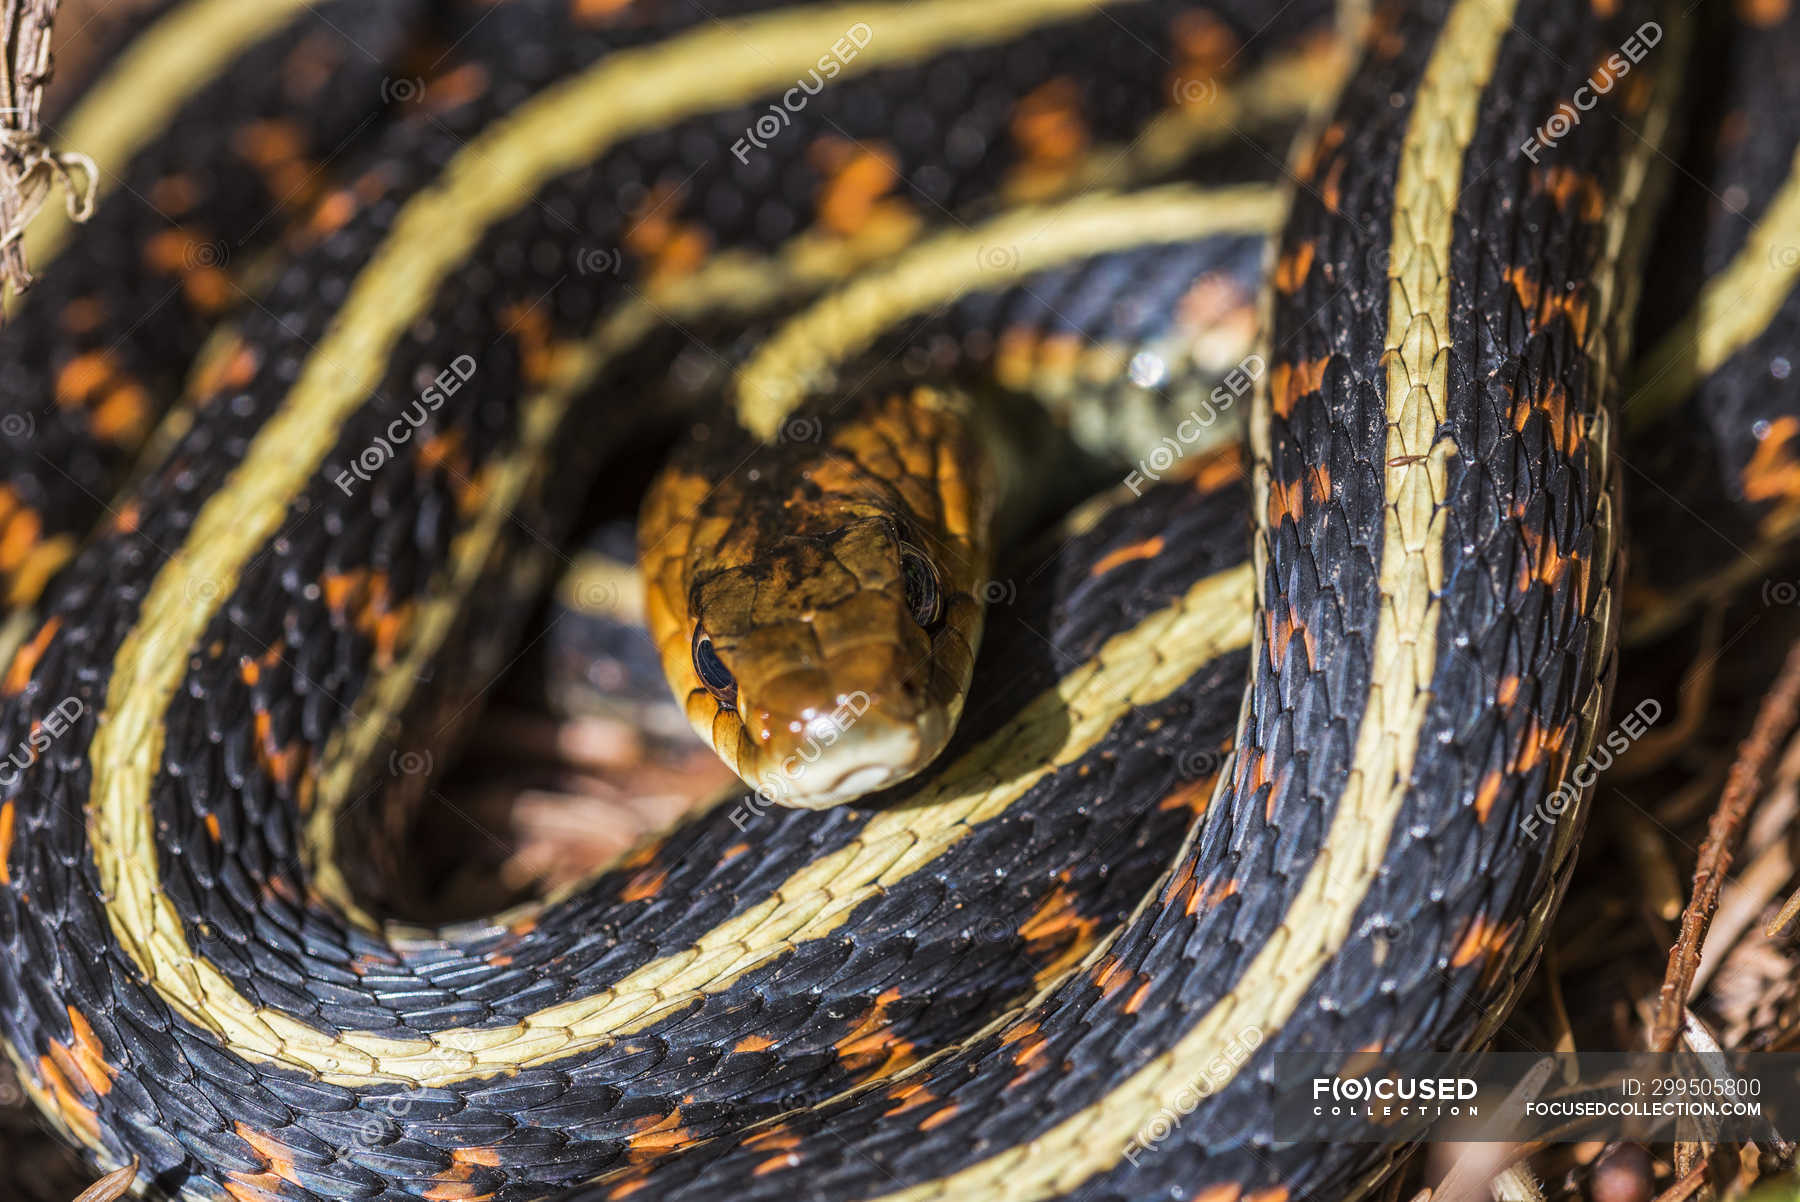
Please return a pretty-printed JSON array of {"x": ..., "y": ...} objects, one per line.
[{"x": 817, "y": 744}]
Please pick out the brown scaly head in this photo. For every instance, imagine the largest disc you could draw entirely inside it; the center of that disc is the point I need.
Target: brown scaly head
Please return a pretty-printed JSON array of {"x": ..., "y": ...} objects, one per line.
[{"x": 817, "y": 603}]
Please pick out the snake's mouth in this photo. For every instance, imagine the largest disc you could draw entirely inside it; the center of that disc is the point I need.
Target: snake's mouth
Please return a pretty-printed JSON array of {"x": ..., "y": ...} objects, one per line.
[{"x": 835, "y": 756}]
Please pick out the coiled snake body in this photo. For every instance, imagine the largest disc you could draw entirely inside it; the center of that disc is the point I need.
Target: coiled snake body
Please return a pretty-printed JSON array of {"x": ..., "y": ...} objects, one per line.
[{"x": 989, "y": 981}]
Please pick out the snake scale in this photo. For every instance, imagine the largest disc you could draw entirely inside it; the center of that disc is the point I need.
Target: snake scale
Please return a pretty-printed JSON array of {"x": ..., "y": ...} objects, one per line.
[{"x": 419, "y": 265}]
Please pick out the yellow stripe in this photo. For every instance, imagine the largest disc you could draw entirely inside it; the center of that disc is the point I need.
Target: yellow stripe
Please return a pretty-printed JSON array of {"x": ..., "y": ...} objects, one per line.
[
  {"x": 1136, "y": 668},
  {"x": 802, "y": 354},
  {"x": 1318, "y": 921},
  {"x": 556, "y": 132},
  {"x": 1733, "y": 308},
  {"x": 738, "y": 282},
  {"x": 138, "y": 96}
]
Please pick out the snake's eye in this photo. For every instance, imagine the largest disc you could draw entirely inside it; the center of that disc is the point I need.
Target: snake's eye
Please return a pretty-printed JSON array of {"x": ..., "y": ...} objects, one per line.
[
  {"x": 924, "y": 591},
  {"x": 712, "y": 671}
]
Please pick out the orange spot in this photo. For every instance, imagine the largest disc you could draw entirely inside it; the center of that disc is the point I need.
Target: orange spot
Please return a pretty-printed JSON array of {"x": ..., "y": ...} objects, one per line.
[
  {"x": 278, "y": 763},
  {"x": 124, "y": 414},
  {"x": 1219, "y": 1193},
  {"x": 657, "y": 1135},
  {"x": 65, "y": 1100},
  {"x": 857, "y": 182},
  {"x": 1150, "y": 548},
  {"x": 455, "y": 1183},
  {"x": 174, "y": 194},
  {"x": 599, "y": 10},
  {"x": 1329, "y": 140},
  {"x": 1110, "y": 976},
  {"x": 25, "y": 659},
  {"x": 269, "y": 142},
  {"x": 1542, "y": 306},
  {"x": 184, "y": 253},
  {"x": 911, "y": 1095},
  {"x": 1193, "y": 795},
  {"x": 83, "y": 314},
  {"x": 277, "y": 148},
  {"x": 937, "y": 1118},
  {"x": 234, "y": 366},
  {"x": 362, "y": 598},
  {"x": 1056, "y": 923},
  {"x": 1291, "y": 269},
  {"x": 1214, "y": 895},
  {"x": 1487, "y": 794},
  {"x": 643, "y": 885},
  {"x": 88, "y": 1053},
  {"x": 530, "y": 325},
  {"x": 1216, "y": 304},
  {"x": 1288, "y": 382},
  {"x": 1047, "y": 123},
  {"x": 20, "y": 536},
  {"x": 81, "y": 376},
  {"x": 772, "y": 1164},
  {"x": 1573, "y": 189},
  {"x": 753, "y": 1043},
  {"x": 1764, "y": 14},
  {"x": 1331, "y": 190},
  {"x": 212, "y": 826},
  {"x": 1773, "y": 473},
  {"x": 774, "y": 1137},
  {"x": 1287, "y": 500},
  {"x": 333, "y": 213},
  {"x": 1223, "y": 467},
  {"x": 6, "y": 842},
  {"x": 873, "y": 1044},
  {"x": 1483, "y": 939},
  {"x": 1204, "y": 47},
  {"x": 456, "y": 1191},
  {"x": 456, "y": 88},
  {"x": 669, "y": 247}
]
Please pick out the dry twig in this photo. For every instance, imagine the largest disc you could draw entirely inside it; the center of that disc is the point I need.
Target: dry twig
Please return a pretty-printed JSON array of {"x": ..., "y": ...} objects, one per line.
[
  {"x": 1773, "y": 721},
  {"x": 29, "y": 171},
  {"x": 111, "y": 1187}
]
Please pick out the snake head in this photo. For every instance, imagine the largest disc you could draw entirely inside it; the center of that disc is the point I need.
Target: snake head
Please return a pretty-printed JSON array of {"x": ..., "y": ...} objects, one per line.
[{"x": 817, "y": 609}]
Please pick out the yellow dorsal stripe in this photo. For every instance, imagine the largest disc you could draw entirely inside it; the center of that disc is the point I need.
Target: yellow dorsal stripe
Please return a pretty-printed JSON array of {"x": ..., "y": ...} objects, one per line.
[
  {"x": 1318, "y": 920},
  {"x": 556, "y": 132},
  {"x": 801, "y": 355}
]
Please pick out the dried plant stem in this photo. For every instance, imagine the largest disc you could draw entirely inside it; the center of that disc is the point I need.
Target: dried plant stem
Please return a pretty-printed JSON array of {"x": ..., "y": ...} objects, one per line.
[
  {"x": 1773, "y": 721},
  {"x": 29, "y": 171}
]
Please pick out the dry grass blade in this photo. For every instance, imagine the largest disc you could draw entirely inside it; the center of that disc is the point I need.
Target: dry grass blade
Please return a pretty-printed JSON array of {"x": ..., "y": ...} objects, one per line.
[
  {"x": 112, "y": 1187},
  {"x": 1773, "y": 721},
  {"x": 29, "y": 171},
  {"x": 1687, "y": 1187}
]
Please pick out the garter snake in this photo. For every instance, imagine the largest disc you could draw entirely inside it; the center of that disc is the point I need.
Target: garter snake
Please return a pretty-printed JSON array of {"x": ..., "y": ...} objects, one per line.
[{"x": 985, "y": 984}]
